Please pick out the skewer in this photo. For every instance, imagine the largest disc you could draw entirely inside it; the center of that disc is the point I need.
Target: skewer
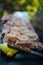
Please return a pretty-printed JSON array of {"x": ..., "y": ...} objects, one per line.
[{"x": 36, "y": 53}]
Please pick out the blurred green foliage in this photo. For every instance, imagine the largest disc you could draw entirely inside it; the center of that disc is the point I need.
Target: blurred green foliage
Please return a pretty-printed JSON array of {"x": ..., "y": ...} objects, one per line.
[{"x": 31, "y": 6}]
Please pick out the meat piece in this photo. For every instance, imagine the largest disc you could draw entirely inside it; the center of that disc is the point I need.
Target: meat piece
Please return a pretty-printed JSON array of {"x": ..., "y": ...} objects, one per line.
[
  {"x": 31, "y": 45},
  {"x": 16, "y": 21},
  {"x": 29, "y": 26},
  {"x": 10, "y": 23},
  {"x": 6, "y": 29},
  {"x": 22, "y": 38},
  {"x": 12, "y": 36},
  {"x": 31, "y": 35},
  {"x": 39, "y": 45},
  {"x": 14, "y": 29},
  {"x": 26, "y": 44},
  {"x": 10, "y": 39}
]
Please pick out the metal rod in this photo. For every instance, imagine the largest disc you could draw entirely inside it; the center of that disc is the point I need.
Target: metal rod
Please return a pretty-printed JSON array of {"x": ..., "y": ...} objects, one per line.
[{"x": 36, "y": 53}]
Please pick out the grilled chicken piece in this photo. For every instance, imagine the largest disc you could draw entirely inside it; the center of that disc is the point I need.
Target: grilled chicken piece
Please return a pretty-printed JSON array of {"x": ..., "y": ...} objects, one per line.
[{"x": 17, "y": 30}]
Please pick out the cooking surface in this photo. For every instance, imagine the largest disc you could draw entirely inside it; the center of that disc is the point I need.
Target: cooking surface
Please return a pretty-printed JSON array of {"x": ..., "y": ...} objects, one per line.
[{"x": 18, "y": 61}]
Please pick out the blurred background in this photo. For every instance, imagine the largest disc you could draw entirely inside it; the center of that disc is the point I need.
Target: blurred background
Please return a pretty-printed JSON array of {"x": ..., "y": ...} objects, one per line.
[{"x": 33, "y": 7}]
